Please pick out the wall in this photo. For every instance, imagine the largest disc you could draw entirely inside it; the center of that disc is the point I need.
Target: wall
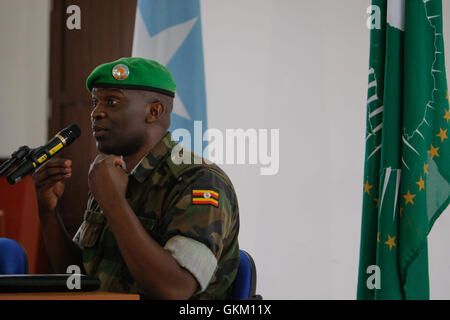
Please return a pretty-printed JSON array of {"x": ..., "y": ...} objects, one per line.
[
  {"x": 24, "y": 65},
  {"x": 301, "y": 66},
  {"x": 295, "y": 65}
]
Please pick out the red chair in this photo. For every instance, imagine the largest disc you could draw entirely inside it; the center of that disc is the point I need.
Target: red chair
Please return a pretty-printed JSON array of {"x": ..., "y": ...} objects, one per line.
[{"x": 21, "y": 221}]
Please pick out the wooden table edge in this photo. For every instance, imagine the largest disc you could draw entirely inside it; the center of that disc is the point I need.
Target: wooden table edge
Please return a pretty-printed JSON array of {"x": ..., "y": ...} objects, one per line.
[{"x": 85, "y": 295}]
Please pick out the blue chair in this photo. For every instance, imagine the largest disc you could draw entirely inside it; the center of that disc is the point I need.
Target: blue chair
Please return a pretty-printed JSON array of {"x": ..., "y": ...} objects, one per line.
[
  {"x": 13, "y": 257},
  {"x": 245, "y": 283}
]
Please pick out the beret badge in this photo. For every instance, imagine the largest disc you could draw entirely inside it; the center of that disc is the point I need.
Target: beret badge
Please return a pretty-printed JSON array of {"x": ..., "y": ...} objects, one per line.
[{"x": 120, "y": 72}]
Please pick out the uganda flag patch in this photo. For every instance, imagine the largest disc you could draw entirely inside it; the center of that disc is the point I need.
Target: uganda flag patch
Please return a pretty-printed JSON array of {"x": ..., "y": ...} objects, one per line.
[{"x": 205, "y": 197}]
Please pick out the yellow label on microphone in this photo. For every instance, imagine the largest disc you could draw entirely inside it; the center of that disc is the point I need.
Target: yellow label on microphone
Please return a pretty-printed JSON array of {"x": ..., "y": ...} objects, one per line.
[
  {"x": 52, "y": 151},
  {"x": 42, "y": 159},
  {"x": 56, "y": 148}
]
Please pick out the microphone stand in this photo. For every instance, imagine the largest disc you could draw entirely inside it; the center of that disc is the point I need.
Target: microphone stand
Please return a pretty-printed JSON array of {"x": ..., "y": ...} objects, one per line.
[{"x": 16, "y": 157}]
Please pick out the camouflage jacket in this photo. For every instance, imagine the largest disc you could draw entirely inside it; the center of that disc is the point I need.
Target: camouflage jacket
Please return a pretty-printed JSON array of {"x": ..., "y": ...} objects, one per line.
[{"x": 189, "y": 209}]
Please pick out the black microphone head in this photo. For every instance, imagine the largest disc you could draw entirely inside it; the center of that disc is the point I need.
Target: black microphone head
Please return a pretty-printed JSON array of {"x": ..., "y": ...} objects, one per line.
[{"x": 70, "y": 134}]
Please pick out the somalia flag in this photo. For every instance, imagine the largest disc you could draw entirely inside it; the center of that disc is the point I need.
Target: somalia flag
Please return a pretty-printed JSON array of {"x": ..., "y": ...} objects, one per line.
[{"x": 170, "y": 32}]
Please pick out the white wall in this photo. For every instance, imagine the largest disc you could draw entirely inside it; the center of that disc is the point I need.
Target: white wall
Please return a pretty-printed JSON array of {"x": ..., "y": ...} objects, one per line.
[
  {"x": 301, "y": 66},
  {"x": 295, "y": 65},
  {"x": 24, "y": 55}
]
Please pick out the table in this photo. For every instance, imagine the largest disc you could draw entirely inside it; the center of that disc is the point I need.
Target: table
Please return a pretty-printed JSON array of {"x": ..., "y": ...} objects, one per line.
[{"x": 76, "y": 295}]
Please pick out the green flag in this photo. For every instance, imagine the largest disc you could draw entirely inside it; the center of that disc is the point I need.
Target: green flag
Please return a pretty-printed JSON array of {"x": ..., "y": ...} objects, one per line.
[{"x": 407, "y": 162}]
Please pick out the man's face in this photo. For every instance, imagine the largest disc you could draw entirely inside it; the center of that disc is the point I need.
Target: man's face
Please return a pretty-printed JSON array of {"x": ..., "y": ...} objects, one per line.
[{"x": 118, "y": 120}]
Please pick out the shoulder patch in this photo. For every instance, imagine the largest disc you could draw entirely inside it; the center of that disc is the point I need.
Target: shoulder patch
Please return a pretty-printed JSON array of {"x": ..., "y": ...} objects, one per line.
[{"x": 205, "y": 197}]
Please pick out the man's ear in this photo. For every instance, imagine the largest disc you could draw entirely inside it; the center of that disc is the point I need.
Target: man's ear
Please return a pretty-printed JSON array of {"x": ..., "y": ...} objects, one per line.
[{"x": 154, "y": 112}]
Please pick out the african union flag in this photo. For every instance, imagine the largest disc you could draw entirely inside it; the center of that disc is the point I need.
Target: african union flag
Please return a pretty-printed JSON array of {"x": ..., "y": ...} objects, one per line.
[{"x": 407, "y": 171}]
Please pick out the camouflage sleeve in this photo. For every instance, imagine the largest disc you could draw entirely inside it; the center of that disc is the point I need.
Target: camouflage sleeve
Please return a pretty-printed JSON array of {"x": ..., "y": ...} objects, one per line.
[
  {"x": 77, "y": 237},
  {"x": 199, "y": 223},
  {"x": 80, "y": 235}
]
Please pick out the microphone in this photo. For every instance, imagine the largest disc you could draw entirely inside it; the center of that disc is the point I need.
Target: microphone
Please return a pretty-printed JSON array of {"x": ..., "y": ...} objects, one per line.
[{"x": 40, "y": 155}]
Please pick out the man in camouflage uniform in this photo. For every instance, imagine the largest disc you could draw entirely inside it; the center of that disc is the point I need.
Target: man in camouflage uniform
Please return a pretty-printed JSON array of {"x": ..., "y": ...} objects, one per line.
[{"x": 153, "y": 225}]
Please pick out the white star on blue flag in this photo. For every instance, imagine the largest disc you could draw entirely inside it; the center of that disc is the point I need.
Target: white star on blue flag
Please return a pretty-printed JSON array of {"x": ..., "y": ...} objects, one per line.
[{"x": 169, "y": 31}]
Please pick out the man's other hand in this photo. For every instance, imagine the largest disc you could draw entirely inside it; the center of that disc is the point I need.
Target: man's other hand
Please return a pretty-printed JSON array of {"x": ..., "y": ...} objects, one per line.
[
  {"x": 107, "y": 180},
  {"x": 49, "y": 182}
]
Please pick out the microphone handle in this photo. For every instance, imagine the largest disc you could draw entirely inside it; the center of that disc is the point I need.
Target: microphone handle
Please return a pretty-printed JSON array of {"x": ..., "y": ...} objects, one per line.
[
  {"x": 42, "y": 154},
  {"x": 17, "y": 175}
]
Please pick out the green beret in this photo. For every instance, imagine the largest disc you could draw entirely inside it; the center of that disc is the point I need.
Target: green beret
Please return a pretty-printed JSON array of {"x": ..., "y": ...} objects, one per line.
[{"x": 132, "y": 73}]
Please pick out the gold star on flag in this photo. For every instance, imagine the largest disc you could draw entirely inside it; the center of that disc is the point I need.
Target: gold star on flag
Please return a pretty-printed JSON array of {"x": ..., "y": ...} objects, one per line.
[
  {"x": 378, "y": 237},
  {"x": 433, "y": 151},
  {"x": 421, "y": 184},
  {"x": 447, "y": 115},
  {"x": 376, "y": 200},
  {"x": 425, "y": 168},
  {"x": 391, "y": 242},
  {"x": 409, "y": 198},
  {"x": 367, "y": 187},
  {"x": 442, "y": 134}
]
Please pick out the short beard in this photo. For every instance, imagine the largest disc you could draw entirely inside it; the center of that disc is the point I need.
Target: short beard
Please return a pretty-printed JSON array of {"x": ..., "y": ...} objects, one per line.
[{"x": 131, "y": 147}]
